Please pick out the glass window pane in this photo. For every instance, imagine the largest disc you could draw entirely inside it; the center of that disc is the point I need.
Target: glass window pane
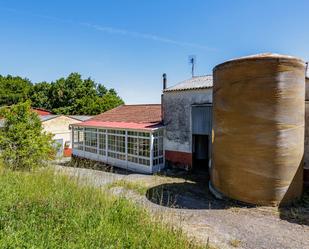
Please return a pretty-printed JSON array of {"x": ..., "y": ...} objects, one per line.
[
  {"x": 144, "y": 147},
  {"x": 102, "y": 141},
  {"x": 132, "y": 145},
  {"x": 116, "y": 143}
]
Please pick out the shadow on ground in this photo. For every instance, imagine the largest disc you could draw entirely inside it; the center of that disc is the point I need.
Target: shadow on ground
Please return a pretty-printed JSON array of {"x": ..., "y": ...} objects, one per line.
[
  {"x": 193, "y": 193},
  {"x": 297, "y": 212}
]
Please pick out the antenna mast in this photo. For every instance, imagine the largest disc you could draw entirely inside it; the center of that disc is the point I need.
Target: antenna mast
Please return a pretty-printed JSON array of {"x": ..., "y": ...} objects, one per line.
[{"x": 192, "y": 61}]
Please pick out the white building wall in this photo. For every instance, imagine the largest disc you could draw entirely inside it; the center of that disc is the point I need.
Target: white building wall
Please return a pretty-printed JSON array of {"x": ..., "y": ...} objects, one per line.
[
  {"x": 177, "y": 117},
  {"x": 59, "y": 127}
]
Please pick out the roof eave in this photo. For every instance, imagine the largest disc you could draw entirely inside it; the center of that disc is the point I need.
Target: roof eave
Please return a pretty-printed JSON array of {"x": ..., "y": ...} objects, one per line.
[
  {"x": 186, "y": 89},
  {"x": 156, "y": 127}
]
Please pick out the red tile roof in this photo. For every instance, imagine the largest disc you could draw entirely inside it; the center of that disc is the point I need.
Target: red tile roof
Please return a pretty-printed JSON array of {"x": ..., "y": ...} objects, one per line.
[
  {"x": 132, "y": 114},
  {"x": 138, "y": 117},
  {"x": 40, "y": 111}
]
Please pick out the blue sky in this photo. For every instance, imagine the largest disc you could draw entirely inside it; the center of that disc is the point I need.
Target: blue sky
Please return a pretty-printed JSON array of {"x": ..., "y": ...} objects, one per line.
[{"x": 127, "y": 45}]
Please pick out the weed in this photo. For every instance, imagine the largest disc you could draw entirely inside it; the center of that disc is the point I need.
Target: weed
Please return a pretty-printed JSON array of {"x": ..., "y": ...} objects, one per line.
[{"x": 235, "y": 242}]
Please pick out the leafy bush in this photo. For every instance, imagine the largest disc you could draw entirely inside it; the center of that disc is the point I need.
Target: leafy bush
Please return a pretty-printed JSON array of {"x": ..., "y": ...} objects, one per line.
[
  {"x": 43, "y": 210},
  {"x": 23, "y": 143}
]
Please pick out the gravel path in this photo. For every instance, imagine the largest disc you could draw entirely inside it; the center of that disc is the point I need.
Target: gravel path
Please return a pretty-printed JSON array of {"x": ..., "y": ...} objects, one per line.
[{"x": 201, "y": 216}]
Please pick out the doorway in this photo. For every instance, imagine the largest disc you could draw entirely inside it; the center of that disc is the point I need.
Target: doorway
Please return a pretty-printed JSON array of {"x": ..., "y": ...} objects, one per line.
[
  {"x": 201, "y": 137},
  {"x": 200, "y": 149},
  {"x": 58, "y": 145}
]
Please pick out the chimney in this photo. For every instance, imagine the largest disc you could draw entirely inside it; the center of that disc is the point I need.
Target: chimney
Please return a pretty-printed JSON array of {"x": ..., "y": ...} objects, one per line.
[
  {"x": 164, "y": 81},
  {"x": 162, "y": 102}
]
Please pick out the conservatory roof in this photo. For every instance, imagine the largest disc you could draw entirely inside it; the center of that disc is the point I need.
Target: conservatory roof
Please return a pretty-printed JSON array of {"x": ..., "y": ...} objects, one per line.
[
  {"x": 136, "y": 117},
  {"x": 119, "y": 125}
]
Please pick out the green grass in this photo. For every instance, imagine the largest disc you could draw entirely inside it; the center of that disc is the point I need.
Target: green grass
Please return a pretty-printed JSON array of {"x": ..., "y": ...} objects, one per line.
[{"x": 43, "y": 210}]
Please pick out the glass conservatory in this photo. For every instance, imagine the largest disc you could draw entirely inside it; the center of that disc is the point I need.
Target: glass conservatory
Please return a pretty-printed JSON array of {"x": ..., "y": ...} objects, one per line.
[{"x": 136, "y": 150}]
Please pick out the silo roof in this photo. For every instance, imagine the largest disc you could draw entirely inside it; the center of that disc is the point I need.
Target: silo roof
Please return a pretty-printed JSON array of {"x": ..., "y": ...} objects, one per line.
[
  {"x": 196, "y": 82},
  {"x": 260, "y": 56}
]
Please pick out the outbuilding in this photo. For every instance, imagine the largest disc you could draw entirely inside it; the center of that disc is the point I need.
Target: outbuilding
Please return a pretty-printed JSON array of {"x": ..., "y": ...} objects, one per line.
[
  {"x": 58, "y": 125},
  {"x": 187, "y": 118}
]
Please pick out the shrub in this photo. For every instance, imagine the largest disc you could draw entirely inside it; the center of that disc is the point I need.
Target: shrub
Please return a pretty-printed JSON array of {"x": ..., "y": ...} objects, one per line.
[{"x": 23, "y": 143}]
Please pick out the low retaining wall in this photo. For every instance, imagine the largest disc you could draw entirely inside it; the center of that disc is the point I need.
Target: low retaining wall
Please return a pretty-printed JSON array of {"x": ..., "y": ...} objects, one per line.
[{"x": 178, "y": 159}]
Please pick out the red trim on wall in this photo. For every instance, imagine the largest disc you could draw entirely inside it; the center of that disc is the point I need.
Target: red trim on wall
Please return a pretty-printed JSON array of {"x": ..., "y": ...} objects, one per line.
[{"x": 179, "y": 159}]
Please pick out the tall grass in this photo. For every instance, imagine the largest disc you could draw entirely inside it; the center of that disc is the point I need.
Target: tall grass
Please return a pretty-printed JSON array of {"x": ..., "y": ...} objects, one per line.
[{"x": 44, "y": 210}]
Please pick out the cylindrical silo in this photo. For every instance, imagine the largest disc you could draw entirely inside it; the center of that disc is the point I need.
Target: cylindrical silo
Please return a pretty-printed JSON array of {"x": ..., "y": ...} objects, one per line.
[{"x": 258, "y": 122}]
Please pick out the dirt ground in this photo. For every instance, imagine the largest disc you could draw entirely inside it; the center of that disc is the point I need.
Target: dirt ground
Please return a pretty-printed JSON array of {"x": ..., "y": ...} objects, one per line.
[{"x": 184, "y": 201}]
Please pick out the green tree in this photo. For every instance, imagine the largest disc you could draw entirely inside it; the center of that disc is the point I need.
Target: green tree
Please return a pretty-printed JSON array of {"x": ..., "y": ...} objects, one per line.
[
  {"x": 23, "y": 143},
  {"x": 40, "y": 95},
  {"x": 74, "y": 95},
  {"x": 109, "y": 101},
  {"x": 101, "y": 90},
  {"x": 13, "y": 90}
]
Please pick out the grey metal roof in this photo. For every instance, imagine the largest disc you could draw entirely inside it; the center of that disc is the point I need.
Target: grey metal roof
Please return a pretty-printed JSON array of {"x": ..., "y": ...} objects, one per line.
[
  {"x": 80, "y": 117},
  {"x": 196, "y": 82},
  {"x": 44, "y": 118}
]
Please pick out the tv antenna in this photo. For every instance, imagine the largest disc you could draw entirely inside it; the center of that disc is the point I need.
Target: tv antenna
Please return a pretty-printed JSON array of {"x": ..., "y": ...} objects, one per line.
[{"x": 192, "y": 61}]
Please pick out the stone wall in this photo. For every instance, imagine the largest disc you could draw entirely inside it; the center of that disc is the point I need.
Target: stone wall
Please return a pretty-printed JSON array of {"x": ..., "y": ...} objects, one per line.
[{"x": 177, "y": 120}]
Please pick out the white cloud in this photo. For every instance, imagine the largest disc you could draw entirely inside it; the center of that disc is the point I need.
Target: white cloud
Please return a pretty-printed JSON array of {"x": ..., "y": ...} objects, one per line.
[{"x": 112, "y": 30}]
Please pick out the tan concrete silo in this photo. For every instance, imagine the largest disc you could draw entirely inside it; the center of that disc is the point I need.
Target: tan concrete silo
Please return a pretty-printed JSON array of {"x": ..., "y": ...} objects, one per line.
[{"x": 258, "y": 122}]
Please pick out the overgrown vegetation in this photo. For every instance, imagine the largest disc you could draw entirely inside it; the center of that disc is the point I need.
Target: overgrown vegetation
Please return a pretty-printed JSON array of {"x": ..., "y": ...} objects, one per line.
[
  {"x": 23, "y": 143},
  {"x": 70, "y": 95},
  {"x": 43, "y": 210}
]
